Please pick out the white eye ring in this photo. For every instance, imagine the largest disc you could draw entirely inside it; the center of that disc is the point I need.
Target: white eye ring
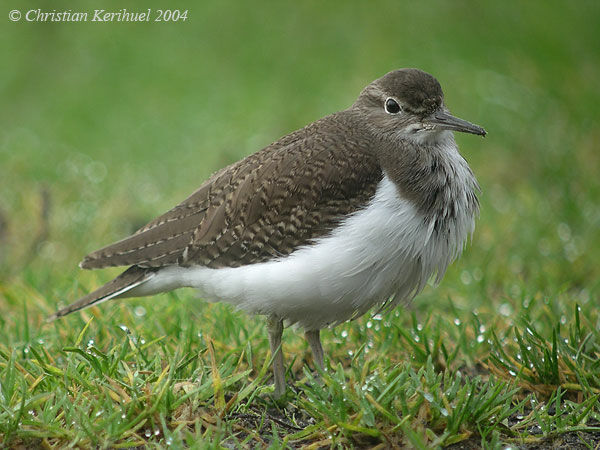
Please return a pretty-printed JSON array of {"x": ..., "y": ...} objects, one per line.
[{"x": 391, "y": 106}]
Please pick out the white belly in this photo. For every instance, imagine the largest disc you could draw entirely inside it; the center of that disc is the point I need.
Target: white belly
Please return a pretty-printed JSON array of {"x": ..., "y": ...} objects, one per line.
[{"x": 386, "y": 250}]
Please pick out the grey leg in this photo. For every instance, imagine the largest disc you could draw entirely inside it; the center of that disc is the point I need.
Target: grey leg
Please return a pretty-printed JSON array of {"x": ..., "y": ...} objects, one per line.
[
  {"x": 314, "y": 341},
  {"x": 275, "y": 327}
]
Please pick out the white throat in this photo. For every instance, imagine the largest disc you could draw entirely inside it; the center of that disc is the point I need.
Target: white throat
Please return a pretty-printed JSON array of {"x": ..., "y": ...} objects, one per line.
[{"x": 417, "y": 134}]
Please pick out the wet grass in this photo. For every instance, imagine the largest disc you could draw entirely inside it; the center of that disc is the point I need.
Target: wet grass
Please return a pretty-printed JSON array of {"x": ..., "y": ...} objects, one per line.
[{"x": 106, "y": 126}]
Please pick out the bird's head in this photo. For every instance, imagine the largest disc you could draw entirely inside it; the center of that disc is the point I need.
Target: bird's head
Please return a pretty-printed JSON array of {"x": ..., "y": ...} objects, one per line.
[{"x": 409, "y": 104}]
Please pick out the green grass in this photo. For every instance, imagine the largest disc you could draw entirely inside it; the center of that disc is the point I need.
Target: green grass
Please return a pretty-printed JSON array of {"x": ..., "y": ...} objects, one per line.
[{"x": 106, "y": 125}]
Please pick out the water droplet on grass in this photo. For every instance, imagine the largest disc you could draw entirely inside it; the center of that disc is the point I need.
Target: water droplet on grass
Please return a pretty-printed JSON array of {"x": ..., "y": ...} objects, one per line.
[
  {"x": 344, "y": 334},
  {"x": 505, "y": 309},
  {"x": 563, "y": 319},
  {"x": 465, "y": 277},
  {"x": 139, "y": 311}
]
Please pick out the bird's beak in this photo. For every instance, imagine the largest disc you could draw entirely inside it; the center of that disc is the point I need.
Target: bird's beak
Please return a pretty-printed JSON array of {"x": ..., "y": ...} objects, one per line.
[{"x": 446, "y": 121}]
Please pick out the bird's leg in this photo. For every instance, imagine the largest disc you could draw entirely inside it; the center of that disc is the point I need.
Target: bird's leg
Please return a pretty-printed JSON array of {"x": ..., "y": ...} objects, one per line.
[
  {"x": 314, "y": 340},
  {"x": 275, "y": 327}
]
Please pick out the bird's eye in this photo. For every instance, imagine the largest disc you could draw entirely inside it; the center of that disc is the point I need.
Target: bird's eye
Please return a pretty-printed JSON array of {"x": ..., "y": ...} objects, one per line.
[{"x": 392, "y": 106}]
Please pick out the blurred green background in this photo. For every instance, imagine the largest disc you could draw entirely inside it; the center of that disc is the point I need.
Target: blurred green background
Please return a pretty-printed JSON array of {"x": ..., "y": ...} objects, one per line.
[{"x": 105, "y": 125}]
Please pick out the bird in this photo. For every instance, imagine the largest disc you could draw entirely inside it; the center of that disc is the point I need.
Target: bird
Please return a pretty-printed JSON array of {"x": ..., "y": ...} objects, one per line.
[{"x": 358, "y": 210}]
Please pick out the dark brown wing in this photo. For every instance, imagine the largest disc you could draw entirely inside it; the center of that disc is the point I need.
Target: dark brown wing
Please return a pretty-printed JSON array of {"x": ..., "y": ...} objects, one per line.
[
  {"x": 261, "y": 207},
  {"x": 116, "y": 288}
]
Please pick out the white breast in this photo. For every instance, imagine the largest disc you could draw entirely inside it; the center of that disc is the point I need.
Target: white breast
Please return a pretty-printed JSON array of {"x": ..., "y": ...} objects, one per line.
[{"x": 385, "y": 252}]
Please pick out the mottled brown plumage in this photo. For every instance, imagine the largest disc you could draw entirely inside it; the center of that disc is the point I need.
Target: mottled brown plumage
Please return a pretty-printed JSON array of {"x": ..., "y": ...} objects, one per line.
[{"x": 262, "y": 207}]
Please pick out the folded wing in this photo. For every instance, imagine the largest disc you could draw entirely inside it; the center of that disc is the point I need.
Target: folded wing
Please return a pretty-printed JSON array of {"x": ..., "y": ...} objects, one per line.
[{"x": 259, "y": 208}]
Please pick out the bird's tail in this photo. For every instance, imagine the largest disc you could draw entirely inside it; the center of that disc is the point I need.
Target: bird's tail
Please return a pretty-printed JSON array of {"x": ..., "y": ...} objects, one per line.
[{"x": 131, "y": 278}]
